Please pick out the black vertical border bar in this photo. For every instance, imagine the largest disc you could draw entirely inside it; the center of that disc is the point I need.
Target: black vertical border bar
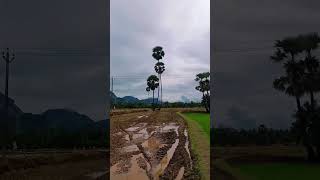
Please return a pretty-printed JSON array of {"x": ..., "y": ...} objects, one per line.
[
  {"x": 211, "y": 84},
  {"x": 108, "y": 83}
]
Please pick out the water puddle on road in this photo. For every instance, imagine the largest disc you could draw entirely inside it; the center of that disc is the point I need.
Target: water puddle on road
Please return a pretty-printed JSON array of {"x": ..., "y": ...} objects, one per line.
[
  {"x": 131, "y": 148},
  {"x": 136, "y": 127},
  {"x": 168, "y": 128},
  {"x": 143, "y": 133},
  {"x": 187, "y": 144},
  {"x": 158, "y": 146}
]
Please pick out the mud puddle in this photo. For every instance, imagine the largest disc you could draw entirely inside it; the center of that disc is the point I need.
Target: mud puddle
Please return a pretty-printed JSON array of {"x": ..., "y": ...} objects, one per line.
[
  {"x": 186, "y": 146},
  {"x": 151, "y": 148}
]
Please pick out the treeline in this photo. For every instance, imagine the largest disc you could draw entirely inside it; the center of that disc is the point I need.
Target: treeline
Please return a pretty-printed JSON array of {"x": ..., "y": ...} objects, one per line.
[
  {"x": 258, "y": 136},
  {"x": 164, "y": 105}
]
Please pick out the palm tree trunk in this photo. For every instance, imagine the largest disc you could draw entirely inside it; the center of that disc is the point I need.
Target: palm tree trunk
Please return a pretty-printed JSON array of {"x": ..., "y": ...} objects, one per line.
[
  {"x": 204, "y": 101},
  {"x": 158, "y": 92},
  {"x": 153, "y": 99},
  {"x": 298, "y": 104},
  {"x": 161, "y": 91},
  {"x": 312, "y": 100},
  {"x": 310, "y": 151}
]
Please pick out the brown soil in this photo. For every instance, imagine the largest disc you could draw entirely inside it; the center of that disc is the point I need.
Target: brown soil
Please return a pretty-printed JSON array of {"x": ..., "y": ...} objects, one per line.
[
  {"x": 158, "y": 139},
  {"x": 70, "y": 165}
]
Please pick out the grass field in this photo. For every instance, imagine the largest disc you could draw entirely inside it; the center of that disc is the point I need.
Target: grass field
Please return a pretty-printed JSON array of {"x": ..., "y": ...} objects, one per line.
[
  {"x": 203, "y": 119},
  {"x": 199, "y": 132},
  {"x": 279, "y": 171},
  {"x": 275, "y": 162}
]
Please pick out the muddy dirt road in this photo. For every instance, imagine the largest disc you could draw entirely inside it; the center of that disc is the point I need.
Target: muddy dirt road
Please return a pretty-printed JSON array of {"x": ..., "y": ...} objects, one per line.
[{"x": 150, "y": 145}]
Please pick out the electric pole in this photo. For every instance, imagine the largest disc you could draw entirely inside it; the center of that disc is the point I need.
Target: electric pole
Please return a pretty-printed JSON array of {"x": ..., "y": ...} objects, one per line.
[{"x": 8, "y": 57}]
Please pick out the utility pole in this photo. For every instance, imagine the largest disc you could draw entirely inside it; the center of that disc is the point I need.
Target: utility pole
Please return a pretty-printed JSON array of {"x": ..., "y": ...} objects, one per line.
[
  {"x": 8, "y": 57},
  {"x": 115, "y": 100},
  {"x": 112, "y": 84}
]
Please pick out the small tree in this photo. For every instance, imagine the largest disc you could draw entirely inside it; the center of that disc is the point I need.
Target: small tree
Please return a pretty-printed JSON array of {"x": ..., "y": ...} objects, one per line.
[
  {"x": 204, "y": 87},
  {"x": 152, "y": 83}
]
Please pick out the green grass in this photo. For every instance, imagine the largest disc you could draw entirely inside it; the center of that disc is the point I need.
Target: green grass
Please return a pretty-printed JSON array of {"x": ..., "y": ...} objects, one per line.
[
  {"x": 203, "y": 119},
  {"x": 279, "y": 171},
  {"x": 200, "y": 141}
]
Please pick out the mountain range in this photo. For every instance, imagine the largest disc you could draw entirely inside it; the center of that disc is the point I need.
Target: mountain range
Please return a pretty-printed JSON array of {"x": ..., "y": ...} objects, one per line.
[
  {"x": 130, "y": 100},
  {"x": 64, "y": 119}
]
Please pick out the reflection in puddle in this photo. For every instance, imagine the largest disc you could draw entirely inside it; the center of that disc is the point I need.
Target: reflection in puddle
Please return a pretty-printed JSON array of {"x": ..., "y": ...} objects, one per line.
[
  {"x": 136, "y": 127},
  {"x": 171, "y": 126},
  {"x": 180, "y": 174},
  {"x": 141, "y": 134},
  {"x": 131, "y": 148},
  {"x": 187, "y": 144}
]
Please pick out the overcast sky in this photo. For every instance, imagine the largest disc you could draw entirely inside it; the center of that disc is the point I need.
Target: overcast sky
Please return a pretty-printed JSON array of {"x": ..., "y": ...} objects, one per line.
[
  {"x": 181, "y": 27},
  {"x": 61, "y": 54},
  {"x": 243, "y": 93}
]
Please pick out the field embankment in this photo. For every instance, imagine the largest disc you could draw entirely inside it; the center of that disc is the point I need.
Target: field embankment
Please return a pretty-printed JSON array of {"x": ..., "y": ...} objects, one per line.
[
  {"x": 199, "y": 130},
  {"x": 274, "y": 162}
]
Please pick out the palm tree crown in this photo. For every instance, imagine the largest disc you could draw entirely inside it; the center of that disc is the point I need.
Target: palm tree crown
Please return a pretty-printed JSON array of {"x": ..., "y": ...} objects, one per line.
[{"x": 158, "y": 53}]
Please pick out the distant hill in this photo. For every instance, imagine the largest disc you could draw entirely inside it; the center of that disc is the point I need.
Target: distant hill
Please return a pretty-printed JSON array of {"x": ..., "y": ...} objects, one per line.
[
  {"x": 14, "y": 110},
  {"x": 130, "y": 100},
  {"x": 64, "y": 119}
]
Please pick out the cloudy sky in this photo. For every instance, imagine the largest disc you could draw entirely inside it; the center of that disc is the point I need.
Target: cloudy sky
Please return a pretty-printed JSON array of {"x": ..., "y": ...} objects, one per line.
[
  {"x": 181, "y": 27},
  {"x": 243, "y": 36},
  {"x": 61, "y": 54}
]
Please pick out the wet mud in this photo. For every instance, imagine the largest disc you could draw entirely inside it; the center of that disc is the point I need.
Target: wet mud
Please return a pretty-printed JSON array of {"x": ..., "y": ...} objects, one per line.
[{"x": 150, "y": 146}]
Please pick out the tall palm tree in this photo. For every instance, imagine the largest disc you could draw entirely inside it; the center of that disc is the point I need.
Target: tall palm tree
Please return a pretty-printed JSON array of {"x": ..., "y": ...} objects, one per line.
[
  {"x": 310, "y": 42},
  {"x": 158, "y": 54},
  {"x": 160, "y": 68},
  {"x": 152, "y": 83},
  {"x": 287, "y": 51}
]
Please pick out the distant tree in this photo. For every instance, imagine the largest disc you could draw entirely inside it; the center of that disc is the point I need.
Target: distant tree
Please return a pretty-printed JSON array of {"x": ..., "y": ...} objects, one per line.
[
  {"x": 153, "y": 83},
  {"x": 204, "y": 87},
  {"x": 158, "y": 54}
]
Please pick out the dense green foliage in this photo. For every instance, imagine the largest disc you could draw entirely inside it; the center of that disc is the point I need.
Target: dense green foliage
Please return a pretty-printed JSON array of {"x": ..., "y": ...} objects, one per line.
[{"x": 204, "y": 87}]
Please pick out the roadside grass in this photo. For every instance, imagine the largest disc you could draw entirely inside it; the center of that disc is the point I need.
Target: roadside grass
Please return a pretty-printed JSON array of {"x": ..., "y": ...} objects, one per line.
[
  {"x": 203, "y": 119},
  {"x": 200, "y": 144}
]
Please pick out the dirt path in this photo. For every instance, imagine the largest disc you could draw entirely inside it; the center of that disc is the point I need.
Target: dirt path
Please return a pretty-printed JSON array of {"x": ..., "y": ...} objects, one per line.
[{"x": 150, "y": 145}]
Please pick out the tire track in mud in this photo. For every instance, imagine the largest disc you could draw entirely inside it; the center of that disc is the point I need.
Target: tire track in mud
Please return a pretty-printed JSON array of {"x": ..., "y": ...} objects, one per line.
[{"x": 178, "y": 164}]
